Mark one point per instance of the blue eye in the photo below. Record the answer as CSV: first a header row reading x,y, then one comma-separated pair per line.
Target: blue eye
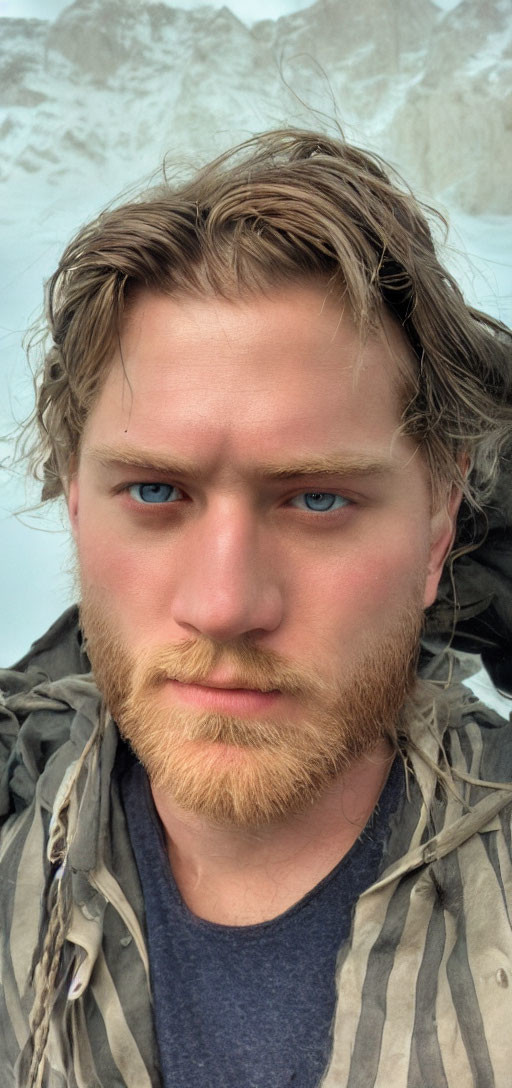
x,y
152,493
321,501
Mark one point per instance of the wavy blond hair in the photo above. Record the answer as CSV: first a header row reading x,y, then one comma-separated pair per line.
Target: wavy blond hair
x,y
285,206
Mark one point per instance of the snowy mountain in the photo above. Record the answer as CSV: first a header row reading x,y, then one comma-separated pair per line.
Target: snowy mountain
x,y
110,84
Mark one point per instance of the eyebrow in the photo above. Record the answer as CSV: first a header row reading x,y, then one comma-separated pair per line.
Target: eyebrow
x,y
358,465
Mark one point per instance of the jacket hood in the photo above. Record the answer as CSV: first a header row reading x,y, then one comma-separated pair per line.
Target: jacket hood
x,y
473,610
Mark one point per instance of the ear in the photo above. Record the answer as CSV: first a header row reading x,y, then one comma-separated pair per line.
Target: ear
x,y
443,527
72,496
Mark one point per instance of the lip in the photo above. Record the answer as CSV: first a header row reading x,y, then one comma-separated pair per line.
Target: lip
x,y
234,700
224,681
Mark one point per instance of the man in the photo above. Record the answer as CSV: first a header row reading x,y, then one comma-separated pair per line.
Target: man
x,y
266,841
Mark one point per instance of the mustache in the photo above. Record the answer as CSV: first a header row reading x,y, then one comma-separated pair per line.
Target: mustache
x,y
192,661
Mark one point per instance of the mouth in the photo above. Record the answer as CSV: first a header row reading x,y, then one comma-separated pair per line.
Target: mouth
x,y
224,696
225,683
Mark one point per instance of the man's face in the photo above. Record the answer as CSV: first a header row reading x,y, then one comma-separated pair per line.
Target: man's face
x,y
246,518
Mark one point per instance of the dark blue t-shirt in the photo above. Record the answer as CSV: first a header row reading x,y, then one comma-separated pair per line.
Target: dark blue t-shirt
x,y
247,1006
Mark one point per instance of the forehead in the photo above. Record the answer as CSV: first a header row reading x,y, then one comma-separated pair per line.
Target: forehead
x,y
262,374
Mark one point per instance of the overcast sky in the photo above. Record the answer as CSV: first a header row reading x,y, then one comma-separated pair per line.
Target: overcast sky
x,y
248,10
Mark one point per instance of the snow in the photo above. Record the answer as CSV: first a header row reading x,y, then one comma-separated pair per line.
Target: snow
x,y
89,108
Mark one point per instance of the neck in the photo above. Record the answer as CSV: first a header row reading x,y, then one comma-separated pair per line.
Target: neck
x,y
242,876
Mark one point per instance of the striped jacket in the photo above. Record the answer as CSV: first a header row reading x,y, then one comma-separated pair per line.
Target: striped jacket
x,y
424,980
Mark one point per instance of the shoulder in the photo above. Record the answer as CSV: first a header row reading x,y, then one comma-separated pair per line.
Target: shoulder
x,y
459,751
480,742
447,722
43,728
40,698
57,653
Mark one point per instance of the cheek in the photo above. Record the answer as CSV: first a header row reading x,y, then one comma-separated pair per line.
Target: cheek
x,y
125,575
371,582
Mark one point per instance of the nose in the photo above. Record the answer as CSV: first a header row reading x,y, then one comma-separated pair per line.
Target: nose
x,y
227,584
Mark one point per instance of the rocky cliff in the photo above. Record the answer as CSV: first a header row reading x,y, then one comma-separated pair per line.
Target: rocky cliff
x,y
109,88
